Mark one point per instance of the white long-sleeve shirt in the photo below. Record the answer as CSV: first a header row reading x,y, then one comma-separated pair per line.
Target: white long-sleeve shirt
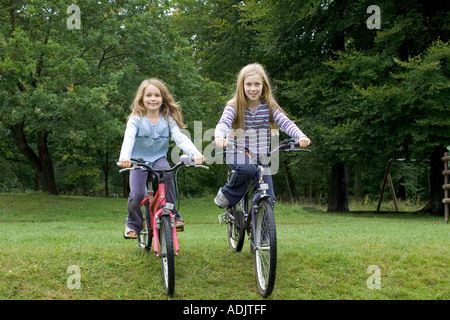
x,y
150,142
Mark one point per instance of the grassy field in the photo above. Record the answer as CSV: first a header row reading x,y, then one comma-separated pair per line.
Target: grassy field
x,y
322,256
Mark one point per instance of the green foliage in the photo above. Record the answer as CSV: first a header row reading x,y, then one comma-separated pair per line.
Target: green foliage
x,y
363,96
78,84
411,104
222,38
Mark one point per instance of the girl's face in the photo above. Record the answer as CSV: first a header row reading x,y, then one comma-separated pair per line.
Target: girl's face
x,y
152,98
253,86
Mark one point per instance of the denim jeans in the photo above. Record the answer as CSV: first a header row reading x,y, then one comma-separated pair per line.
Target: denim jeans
x,y
138,192
245,170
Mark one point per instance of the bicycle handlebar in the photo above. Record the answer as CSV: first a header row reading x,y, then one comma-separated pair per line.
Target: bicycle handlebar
x,y
288,145
140,164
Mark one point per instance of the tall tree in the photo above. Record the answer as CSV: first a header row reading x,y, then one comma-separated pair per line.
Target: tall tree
x,y
299,36
411,110
325,57
69,73
222,40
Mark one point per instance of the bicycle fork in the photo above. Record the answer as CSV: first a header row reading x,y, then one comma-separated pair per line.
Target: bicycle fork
x,y
255,208
157,222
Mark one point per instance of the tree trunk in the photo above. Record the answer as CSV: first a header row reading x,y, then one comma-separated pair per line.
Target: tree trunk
x,y
106,167
41,163
338,191
338,188
290,183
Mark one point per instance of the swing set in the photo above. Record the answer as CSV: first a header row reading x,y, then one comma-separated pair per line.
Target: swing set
x,y
446,186
388,180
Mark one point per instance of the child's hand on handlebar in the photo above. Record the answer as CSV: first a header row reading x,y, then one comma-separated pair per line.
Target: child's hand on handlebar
x,y
221,142
125,163
198,159
304,142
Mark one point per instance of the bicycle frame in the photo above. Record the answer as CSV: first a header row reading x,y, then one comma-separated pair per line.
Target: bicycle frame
x,y
259,194
286,145
158,207
157,204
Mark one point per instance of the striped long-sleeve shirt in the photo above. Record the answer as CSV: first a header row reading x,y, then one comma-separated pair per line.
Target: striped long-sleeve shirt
x,y
256,134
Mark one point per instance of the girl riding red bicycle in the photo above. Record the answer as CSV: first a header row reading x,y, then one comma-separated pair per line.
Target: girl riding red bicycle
x,y
155,117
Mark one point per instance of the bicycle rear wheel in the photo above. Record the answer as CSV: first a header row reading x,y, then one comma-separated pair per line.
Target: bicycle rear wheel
x,y
145,236
265,246
235,229
167,255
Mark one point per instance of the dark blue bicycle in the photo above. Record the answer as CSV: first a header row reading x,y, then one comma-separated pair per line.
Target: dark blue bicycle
x,y
254,214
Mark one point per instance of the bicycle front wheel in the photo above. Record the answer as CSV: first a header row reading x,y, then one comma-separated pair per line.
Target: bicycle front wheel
x,y
265,246
166,252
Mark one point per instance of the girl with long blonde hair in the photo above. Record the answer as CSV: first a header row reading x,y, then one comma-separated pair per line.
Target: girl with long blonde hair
x,y
154,118
247,121
241,100
169,107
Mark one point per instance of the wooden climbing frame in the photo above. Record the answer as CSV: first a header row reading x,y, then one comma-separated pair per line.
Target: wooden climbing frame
x,y
446,186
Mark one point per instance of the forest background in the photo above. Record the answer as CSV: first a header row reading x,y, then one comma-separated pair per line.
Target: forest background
x,y
366,81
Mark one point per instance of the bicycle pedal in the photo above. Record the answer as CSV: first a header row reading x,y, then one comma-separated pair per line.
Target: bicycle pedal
x,y
230,217
179,229
221,218
226,217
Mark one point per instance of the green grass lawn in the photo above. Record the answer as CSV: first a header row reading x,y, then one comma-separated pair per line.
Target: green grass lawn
x,y
321,255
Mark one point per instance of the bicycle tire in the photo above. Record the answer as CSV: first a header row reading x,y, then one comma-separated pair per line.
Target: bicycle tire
x,y
167,255
265,247
235,230
145,236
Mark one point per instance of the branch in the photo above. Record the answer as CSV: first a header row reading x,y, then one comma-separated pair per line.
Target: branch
x,y
65,89
21,86
21,142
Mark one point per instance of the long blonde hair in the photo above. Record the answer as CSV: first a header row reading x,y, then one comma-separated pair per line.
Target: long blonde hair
x,y
168,108
240,100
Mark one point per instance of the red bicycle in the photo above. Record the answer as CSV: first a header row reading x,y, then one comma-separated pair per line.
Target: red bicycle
x,y
158,220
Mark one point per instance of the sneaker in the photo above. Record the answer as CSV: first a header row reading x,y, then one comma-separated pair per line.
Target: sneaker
x,y
220,200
